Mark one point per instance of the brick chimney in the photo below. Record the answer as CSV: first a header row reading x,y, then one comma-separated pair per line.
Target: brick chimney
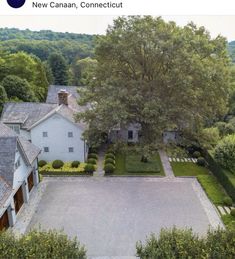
x,y
63,97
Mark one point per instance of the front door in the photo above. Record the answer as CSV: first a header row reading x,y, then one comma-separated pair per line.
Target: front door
x,y
4,221
30,181
18,199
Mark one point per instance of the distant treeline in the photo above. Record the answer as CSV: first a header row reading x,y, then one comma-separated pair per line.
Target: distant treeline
x,y
43,43
231,49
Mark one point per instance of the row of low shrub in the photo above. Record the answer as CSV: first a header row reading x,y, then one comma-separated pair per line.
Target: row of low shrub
x,y
74,168
57,164
40,244
222,175
177,243
109,162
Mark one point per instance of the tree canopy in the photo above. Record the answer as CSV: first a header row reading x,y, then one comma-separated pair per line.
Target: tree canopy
x,y
158,75
59,68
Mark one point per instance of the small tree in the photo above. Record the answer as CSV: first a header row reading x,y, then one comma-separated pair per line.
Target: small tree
x,y
224,152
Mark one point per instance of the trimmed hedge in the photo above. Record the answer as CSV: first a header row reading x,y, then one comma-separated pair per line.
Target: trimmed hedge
x,y
93,155
56,164
110,155
91,161
41,163
220,174
75,164
109,168
40,244
109,161
89,168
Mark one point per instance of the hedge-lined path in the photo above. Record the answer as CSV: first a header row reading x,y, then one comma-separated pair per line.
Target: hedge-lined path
x,y
166,164
100,164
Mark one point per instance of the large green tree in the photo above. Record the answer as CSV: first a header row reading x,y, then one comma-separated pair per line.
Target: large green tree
x,y
18,88
59,68
157,74
26,67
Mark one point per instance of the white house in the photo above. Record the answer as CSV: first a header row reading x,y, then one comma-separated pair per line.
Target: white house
x,y
51,126
18,174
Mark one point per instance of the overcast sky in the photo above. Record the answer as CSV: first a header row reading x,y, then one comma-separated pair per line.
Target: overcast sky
x,y
224,25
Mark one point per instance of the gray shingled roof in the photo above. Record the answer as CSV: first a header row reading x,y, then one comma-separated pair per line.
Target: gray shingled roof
x,y
8,147
5,191
30,150
68,113
25,113
52,95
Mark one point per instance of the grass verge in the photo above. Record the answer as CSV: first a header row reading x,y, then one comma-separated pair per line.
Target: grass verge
x,y
188,169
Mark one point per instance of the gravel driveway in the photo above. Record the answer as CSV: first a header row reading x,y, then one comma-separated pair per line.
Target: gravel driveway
x,y
109,215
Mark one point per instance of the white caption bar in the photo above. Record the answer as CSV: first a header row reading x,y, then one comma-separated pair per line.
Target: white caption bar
x,y
121,7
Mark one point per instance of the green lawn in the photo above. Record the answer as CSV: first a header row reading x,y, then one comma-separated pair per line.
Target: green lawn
x,y
130,164
213,189
188,169
229,221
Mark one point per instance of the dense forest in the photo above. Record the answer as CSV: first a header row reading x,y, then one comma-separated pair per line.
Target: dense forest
x,y
31,60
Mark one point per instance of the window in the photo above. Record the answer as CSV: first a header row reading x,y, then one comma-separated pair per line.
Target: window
x,y
17,164
46,149
70,149
70,134
130,134
44,134
16,128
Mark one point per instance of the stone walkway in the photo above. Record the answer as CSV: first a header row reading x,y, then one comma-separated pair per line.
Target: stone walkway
x,y
166,164
100,164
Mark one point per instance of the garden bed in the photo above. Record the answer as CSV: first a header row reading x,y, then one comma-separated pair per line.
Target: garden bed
x,y
66,170
130,164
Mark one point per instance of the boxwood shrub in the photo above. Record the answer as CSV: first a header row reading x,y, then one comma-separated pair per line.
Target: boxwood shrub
x,y
56,164
75,164
201,161
196,154
93,155
89,168
109,168
93,150
109,155
41,163
91,161
109,161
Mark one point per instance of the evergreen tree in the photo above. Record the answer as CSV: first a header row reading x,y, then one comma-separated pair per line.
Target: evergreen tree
x,y
59,69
